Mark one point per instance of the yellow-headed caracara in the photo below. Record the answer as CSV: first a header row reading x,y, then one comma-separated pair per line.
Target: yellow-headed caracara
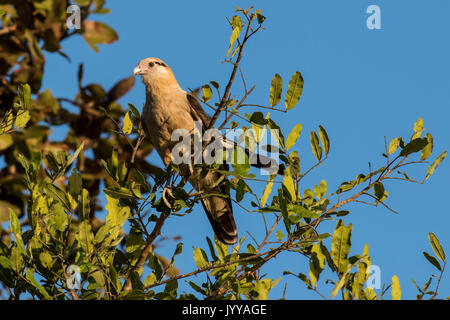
x,y
167,108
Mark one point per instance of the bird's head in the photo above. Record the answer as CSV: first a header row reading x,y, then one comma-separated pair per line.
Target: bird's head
x,y
155,71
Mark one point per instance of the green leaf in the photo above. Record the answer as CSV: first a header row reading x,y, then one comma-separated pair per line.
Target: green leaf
x,y
435,164
317,263
127,123
75,184
339,285
325,140
15,224
259,17
236,23
258,118
206,93
178,250
115,280
276,133
293,136
370,294
414,146
432,260
214,84
317,150
120,192
396,290
394,144
308,197
426,152
135,111
197,288
59,219
145,186
240,190
46,259
85,236
200,258
280,235
341,243
16,230
295,89
437,248
24,162
300,212
24,93
241,163
116,217
7,124
211,249
266,193
418,128
288,182
22,118
58,195
322,189
83,205
378,190
151,279
221,249
276,88
302,277
75,155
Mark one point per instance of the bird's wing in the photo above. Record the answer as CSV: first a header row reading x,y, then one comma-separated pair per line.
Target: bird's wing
x,y
197,111
223,224
263,162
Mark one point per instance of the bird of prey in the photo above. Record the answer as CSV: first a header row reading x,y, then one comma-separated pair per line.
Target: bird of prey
x,y
168,108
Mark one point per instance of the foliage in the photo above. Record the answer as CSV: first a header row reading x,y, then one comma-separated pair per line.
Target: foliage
x,y
49,190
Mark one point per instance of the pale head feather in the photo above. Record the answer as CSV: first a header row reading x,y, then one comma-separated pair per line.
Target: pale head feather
x,y
155,74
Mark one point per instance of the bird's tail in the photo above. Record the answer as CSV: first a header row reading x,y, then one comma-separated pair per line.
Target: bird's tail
x,y
220,215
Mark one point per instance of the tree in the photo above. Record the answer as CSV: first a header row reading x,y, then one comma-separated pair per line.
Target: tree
x,y
56,247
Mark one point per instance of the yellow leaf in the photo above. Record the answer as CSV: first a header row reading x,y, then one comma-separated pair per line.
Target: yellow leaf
x,y
22,119
127,124
267,191
396,290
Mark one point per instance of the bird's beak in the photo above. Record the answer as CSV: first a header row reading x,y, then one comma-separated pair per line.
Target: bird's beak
x,y
136,71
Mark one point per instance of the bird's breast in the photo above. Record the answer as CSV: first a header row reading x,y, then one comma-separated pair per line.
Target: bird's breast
x,y
164,115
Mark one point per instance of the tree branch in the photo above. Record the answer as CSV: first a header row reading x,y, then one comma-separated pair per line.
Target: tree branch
x,y
147,249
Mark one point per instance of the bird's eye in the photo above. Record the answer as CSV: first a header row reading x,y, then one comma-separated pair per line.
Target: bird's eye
x,y
151,64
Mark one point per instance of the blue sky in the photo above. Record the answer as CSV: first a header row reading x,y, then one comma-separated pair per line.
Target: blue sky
x,y
360,84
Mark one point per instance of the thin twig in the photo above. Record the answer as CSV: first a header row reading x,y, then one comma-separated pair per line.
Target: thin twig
x,y
439,282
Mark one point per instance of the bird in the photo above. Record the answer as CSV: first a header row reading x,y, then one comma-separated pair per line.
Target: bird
x,y
167,108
